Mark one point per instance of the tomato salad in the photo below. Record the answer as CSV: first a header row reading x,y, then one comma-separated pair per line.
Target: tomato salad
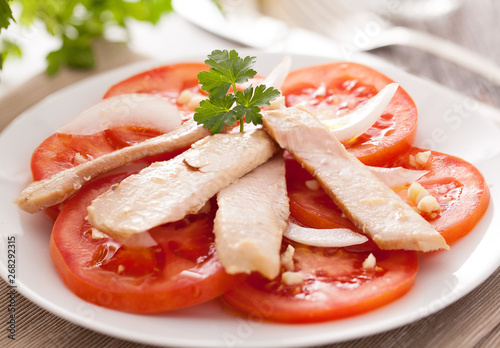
x,y
181,268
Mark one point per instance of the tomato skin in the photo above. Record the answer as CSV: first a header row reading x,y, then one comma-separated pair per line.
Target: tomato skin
x,y
166,80
335,285
183,271
348,84
459,188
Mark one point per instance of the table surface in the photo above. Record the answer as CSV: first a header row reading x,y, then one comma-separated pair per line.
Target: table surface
x,y
473,321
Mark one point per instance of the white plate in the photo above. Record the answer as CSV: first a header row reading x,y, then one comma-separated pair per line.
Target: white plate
x,y
448,122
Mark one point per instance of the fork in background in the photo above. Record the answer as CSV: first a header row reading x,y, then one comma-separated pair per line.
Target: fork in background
x,y
358,30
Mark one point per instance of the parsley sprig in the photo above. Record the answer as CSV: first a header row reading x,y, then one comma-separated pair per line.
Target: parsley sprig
x,y
226,70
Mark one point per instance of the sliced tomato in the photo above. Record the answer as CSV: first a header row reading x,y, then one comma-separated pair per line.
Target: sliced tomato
x,y
168,80
459,188
335,285
62,151
341,87
181,270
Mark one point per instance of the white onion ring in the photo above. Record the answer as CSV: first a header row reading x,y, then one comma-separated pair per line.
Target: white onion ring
x,y
278,75
139,110
336,237
362,118
397,176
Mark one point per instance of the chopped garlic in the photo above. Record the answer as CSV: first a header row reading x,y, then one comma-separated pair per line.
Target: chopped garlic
x,y
185,96
416,192
422,157
190,100
78,158
429,204
287,258
195,101
96,234
424,201
121,268
370,262
312,185
291,278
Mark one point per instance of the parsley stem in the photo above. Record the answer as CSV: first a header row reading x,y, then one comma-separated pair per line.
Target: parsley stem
x,y
241,121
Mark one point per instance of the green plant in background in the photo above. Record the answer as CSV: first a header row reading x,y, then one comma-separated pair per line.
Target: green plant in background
x,y
6,46
77,24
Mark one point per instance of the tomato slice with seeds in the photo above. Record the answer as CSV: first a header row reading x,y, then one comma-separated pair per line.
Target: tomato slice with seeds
x,y
459,188
334,284
168,81
63,151
338,88
181,270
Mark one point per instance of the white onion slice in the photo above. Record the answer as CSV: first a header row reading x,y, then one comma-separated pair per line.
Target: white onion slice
x,y
278,75
397,176
139,110
336,237
362,118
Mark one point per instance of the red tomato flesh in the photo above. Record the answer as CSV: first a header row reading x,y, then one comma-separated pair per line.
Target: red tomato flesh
x,y
341,87
63,151
181,270
168,81
335,285
459,188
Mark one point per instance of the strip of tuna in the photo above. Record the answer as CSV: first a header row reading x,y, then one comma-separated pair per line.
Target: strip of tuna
x,y
251,218
56,189
167,191
371,205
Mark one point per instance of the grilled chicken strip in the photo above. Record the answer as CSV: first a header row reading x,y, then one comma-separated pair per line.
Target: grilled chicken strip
x,y
251,218
167,191
56,189
371,205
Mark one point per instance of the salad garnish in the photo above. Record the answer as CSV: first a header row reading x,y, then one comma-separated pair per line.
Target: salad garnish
x,y
221,108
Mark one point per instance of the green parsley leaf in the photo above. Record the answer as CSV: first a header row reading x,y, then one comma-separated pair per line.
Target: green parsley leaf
x,y
260,96
216,113
250,101
228,69
229,64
